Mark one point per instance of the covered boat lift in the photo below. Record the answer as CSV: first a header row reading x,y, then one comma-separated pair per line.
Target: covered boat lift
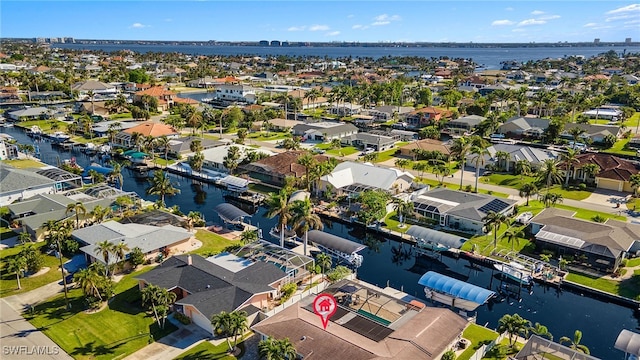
x,y
230,214
336,246
453,292
629,342
429,240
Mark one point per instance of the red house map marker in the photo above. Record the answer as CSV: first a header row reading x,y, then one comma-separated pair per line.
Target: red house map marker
x,y
325,305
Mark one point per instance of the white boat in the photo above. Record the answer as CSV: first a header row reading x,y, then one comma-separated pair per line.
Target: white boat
x,y
514,271
59,136
34,131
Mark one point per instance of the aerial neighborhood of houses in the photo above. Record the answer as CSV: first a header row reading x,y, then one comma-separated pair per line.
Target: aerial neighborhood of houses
x,y
531,170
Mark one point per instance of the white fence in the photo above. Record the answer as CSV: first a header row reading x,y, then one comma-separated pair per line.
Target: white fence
x,y
484,349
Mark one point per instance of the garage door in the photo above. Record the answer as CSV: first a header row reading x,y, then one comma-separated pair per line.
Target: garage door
x,y
609,184
201,321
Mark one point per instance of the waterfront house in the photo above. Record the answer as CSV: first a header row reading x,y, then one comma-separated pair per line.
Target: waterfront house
x,y
324,131
534,156
98,88
18,184
368,324
463,125
149,128
30,113
459,210
369,140
409,150
386,112
182,145
600,246
596,133
354,177
214,157
425,116
8,151
614,173
526,126
235,92
206,287
275,169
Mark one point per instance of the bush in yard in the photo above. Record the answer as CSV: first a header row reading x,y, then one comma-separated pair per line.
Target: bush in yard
x,y
287,290
338,273
599,219
184,319
136,257
582,186
449,355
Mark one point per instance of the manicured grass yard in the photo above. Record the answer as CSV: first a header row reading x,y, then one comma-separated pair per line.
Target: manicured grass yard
x,y
516,182
207,351
478,336
267,136
212,243
45,125
452,186
6,233
621,147
392,223
24,163
629,288
588,214
114,332
8,283
343,151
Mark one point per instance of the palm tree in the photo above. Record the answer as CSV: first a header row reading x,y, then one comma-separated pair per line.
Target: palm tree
x,y
576,132
513,325
278,205
590,170
550,199
78,208
91,95
304,219
17,265
570,158
161,186
503,158
193,217
163,142
402,163
549,173
523,167
116,173
230,161
324,261
273,349
120,250
151,296
513,236
403,210
99,213
88,279
249,236
105,248
495,219
634,181
222,324
479,153
540,330
307,161
238,325
528,190
460,148
575,342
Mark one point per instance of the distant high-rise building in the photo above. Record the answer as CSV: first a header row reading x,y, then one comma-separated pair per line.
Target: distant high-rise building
x,y
627,41
264,43
275,43
596,41
41,40
285,43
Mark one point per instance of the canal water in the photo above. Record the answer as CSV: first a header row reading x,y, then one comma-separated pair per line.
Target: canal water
x,y
387,262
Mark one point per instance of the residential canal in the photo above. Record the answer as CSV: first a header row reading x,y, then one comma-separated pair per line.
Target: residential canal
x,y
393,263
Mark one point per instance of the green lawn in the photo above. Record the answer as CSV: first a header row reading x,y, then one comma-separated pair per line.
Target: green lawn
x,y
267,136
207,351
589,214
632,122
95,140
386,155
23,163
629,288
162,162
6,233
126,115
45,125
478,336
516,182
114,332
485,243
633,203
212,243
452,186
392,223
8,283
343,151
261,188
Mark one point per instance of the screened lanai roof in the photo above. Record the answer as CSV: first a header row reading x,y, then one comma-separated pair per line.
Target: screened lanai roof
x,y
454,287
629,342
57,174
265,251
560,239
230,213
433,236
334,242
358,188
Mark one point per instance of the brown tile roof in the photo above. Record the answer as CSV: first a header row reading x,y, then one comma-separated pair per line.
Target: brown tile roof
x,y
185,101
611,167
285,164
151,128
155,91
429,145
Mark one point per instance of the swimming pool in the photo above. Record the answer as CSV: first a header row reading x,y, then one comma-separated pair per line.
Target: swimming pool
x,y
373,317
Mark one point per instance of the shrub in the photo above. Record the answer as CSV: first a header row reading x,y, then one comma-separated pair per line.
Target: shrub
x,y
287,291
599,219
184,319
338,273
136,257
468,188
582,186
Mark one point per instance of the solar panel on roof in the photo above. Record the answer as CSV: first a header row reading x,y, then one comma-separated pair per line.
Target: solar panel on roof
x,y
495,205
368,328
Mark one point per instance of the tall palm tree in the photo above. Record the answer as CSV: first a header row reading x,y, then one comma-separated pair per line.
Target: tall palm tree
x,y
91,95
238,325
278,205
549,173
116,173
575,342
151,296
163,143
230,161
304,220
161,186
120,250
105,248
503,157
249,236
88,279
513,236
17,265
528,190
479,153
222,324
513,325
460,148
307,161
324,261
77,208
403,210
99,213
590,170
570,159
523,167
495,219
576,133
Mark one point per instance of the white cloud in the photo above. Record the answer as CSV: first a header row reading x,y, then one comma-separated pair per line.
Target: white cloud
x,y
318,28
138,26
380,23
632,22
296,28
168,20
360,27
621,17
333,33
385,17
502,22
537,12
590,25
529,22
624,9
549,17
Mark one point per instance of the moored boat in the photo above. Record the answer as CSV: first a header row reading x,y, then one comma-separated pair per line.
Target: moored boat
x,y
514,271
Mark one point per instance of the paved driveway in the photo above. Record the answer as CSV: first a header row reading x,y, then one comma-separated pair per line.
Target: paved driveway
x,y
171,345
21,340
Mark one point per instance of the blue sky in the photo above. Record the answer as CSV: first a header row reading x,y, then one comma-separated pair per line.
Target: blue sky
x,y
301,20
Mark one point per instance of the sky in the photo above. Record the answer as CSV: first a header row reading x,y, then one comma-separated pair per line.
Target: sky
x,y
325,21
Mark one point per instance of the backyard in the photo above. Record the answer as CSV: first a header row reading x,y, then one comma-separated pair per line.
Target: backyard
x,y
516,182
114,332
212,243
23,163
478,336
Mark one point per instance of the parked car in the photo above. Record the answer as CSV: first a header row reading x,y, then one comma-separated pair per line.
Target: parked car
x,y
368,150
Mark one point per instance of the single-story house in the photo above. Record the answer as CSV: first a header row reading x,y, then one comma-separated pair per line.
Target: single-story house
x,y
275,169
520,126
98,88
600,245
354,177
344,109
463,125
101,129
425,145
403,135
182,145
324,131
401,330
214,157
614,173
365,140
459,210
534,156
603,113
595,132
386,112
206,287
31,113
279,124
149,128
18,184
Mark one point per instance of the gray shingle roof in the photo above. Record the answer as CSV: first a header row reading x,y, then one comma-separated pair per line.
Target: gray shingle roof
x,y
40,204
470,206
330,131
20,179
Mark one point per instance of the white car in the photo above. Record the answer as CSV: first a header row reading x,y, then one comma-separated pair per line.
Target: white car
x,y
368,150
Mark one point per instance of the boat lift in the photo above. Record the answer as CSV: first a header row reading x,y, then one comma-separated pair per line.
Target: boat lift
x,y
340,248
